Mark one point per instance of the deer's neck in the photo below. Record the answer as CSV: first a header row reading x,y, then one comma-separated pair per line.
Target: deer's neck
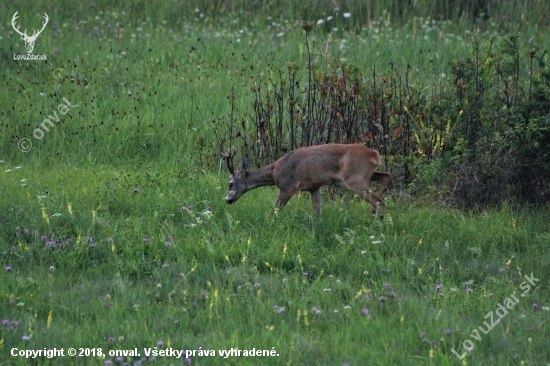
x,y
260,177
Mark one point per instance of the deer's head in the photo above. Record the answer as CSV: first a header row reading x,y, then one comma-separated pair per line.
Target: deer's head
x,y
237,180
29,40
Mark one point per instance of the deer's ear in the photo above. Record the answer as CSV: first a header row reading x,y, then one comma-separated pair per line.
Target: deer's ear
x,y
243,167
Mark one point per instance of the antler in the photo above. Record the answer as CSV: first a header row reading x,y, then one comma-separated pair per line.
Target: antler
x,y
43,25
229,160
13,19
24,34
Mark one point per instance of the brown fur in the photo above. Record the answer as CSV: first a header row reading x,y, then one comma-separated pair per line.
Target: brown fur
x,y
309,168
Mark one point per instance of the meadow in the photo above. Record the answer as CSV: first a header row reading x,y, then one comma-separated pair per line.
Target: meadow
x,y
114,234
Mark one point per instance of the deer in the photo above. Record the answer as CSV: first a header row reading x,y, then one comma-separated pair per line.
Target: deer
x,y
29,40
308,169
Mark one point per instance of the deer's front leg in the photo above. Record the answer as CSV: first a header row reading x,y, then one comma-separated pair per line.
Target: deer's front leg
x,y
316,200
284,197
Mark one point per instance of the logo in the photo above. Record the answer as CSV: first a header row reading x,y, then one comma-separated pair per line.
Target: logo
x,y
29,40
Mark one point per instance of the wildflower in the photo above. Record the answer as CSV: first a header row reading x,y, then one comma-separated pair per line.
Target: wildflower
x,y
391,294
111,339
9,269
469,290
449,331
136,190
108,362
26,338
306,274
387,285
164,266
145,240
160,343
535,305
490,294
6,322
381,299
188,360
119,359
315,310
466,283
438,286
365,311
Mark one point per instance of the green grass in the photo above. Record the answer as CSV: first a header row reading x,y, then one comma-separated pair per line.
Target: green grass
x,y
152,253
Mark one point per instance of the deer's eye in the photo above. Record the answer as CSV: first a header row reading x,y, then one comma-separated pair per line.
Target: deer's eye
x,y
230,185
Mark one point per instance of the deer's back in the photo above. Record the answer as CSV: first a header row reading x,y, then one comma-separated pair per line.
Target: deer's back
x,y
313,166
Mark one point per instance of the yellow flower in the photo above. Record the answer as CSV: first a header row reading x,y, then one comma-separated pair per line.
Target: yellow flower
x,y
419,270
50,319
45,215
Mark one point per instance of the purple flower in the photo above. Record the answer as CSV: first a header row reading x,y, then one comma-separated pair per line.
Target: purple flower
x,y
27,231
447,270
490,294
136,190
449,331
470,349
391,294
26,338
145,240
188,360
438,286
381,299
315,310
108,362
111,339
306,274
365,311
160,343
164,266
387,285
465,283
9,269
501,271
535,305
6,322
469,290
119,359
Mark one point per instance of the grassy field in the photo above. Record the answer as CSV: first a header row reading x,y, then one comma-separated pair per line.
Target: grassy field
x,y
114,236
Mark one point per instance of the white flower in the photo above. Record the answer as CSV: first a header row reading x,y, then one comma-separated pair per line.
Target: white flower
x,y
346,15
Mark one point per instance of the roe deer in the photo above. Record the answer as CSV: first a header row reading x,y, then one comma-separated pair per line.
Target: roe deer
x,y
308,169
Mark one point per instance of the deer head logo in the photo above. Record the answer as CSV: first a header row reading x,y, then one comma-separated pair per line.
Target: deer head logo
x,y
29,40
